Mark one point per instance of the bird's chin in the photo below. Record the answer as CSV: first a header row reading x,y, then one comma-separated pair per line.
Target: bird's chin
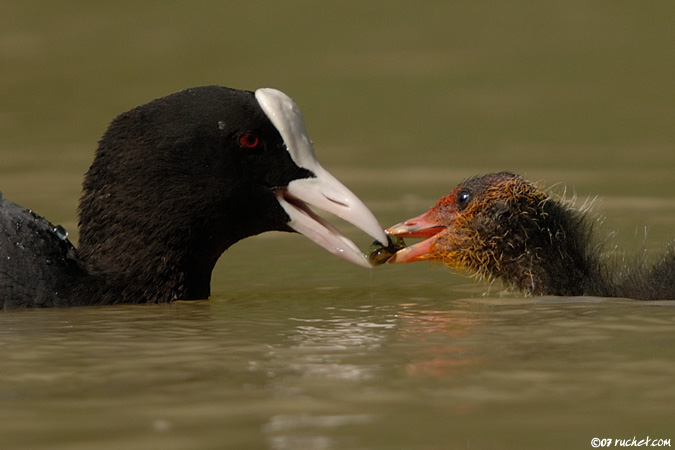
x,y
422,251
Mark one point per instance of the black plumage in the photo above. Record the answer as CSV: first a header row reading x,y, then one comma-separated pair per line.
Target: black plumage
x,y
174,183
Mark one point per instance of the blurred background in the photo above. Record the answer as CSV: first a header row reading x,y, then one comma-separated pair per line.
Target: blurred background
x,y
402,100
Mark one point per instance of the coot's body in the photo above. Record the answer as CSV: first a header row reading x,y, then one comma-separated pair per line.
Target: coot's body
x,y
26,238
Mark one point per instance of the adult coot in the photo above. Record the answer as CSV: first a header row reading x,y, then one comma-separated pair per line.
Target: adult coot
x,y
500,226
175,183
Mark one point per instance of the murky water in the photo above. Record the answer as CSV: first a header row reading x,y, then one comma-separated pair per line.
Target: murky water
x,y
325,370
297,349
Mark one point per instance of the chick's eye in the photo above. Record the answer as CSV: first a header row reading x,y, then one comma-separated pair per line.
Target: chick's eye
x,y
463,198
249,140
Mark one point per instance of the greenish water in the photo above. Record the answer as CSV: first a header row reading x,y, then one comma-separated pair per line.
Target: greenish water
x,y
300,350
338,368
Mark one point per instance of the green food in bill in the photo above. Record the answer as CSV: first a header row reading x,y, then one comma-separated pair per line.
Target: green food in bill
x,y
378,253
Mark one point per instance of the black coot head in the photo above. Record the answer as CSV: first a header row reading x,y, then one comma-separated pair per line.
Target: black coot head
x,y
206,167
174,183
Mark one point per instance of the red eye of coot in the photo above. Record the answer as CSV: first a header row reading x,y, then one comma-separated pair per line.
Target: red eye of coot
x,y
248,140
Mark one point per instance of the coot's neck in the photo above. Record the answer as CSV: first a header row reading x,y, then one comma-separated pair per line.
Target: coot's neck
x,y
146,263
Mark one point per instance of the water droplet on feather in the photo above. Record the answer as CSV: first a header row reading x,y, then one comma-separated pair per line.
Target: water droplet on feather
x,y
60,232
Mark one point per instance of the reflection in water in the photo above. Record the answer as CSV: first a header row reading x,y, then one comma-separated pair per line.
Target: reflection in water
x,y
317,358
447,358
294,375
302,431
324,356
320,347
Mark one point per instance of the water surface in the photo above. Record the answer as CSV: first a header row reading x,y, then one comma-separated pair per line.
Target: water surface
x,y
326,370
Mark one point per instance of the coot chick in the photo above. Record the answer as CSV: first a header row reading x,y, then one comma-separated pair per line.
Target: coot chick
x,y
174,183
502,227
